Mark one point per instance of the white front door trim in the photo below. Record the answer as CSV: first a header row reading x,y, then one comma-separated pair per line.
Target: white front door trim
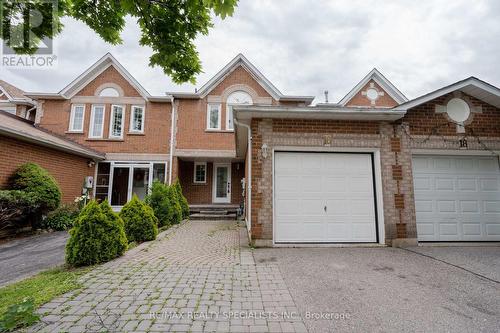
x,y
377,170
227,199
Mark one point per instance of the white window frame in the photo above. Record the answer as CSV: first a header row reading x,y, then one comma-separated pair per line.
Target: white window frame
x,y
111,120
219,110
194,173
229,107
92,114
72,119
131,125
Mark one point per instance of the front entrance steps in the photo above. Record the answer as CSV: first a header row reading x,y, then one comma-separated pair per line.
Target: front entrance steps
x,y
213,212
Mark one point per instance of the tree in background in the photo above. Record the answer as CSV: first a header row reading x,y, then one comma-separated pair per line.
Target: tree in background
x,y
169,27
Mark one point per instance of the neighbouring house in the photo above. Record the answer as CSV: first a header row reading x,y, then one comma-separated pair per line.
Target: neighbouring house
x,y
373,168
68,162
13,100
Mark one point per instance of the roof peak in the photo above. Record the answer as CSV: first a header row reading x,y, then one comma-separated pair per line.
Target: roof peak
x,y
382,81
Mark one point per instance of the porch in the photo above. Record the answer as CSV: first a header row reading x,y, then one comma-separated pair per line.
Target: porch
x,y
209,183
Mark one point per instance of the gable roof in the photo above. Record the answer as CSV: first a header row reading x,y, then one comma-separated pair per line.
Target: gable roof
x,y
241,60
382,81
97,68
472,86
94,71
24,130
14,94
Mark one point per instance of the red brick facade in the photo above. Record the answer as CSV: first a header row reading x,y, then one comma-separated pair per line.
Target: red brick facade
x,y
69,170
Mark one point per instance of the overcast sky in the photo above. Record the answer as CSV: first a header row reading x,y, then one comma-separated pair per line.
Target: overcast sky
x,y
305,47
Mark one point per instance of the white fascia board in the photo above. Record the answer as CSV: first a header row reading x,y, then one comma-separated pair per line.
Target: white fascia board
x,y
472,81
9,97
382,81
240,59
311,113
95,70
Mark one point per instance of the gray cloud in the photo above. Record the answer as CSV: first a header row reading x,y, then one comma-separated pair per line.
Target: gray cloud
x,y
305,47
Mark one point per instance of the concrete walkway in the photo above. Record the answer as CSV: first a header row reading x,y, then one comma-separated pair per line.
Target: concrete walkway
x,y
23,257
194,278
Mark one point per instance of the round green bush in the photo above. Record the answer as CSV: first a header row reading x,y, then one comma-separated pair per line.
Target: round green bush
x,y
62,218
182,199
140,221
98,236
161,203
33,179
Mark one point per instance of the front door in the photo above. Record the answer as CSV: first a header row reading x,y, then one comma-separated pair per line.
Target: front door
x,y
222,183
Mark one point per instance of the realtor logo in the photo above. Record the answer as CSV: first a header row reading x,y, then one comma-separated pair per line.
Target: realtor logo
x,y
24,30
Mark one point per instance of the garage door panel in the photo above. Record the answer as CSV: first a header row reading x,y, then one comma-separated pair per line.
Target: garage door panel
x,y
469,207
462,203
341,182
467,184
286,184
489,184
288,207
310,183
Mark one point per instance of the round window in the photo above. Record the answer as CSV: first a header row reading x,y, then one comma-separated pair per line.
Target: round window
x,y
458,110
372,94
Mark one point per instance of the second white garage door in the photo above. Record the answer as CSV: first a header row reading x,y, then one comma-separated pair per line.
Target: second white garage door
x,y
457,198
323,197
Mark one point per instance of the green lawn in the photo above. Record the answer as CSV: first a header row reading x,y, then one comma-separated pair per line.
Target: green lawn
x,y
42,287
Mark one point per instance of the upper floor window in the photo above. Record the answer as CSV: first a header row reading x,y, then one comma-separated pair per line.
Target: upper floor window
x,y
97,121
76,118
137,119
236,98
213,116
109,92
116,123
200,172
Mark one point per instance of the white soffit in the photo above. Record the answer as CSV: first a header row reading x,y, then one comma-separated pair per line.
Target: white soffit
x,y
382,81
240,60
95,70
471,86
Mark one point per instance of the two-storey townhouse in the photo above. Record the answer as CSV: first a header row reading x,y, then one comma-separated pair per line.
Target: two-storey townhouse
x,y
107,110
205,159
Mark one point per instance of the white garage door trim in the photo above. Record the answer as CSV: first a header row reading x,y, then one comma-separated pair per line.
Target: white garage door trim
x,y
377,173
460,236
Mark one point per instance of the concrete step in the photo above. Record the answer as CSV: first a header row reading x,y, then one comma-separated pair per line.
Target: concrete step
x,y
230,208
214,212
211,217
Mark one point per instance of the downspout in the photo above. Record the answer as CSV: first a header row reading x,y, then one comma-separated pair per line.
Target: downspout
x,y
249,180
172,136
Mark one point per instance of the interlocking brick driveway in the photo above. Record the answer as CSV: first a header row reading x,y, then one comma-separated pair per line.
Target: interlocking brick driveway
x,y
195,278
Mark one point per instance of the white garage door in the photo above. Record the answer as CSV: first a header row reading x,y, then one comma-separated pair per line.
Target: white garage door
x,y
457,198
324,197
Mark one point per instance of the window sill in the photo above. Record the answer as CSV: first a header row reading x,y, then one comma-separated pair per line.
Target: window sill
x,y
136,133
104,139
74,132
218,131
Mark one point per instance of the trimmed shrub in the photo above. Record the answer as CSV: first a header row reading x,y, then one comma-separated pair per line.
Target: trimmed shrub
x,y
14,205
174,199
161,202
140,221
98,236
33,179
63,218
182,199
